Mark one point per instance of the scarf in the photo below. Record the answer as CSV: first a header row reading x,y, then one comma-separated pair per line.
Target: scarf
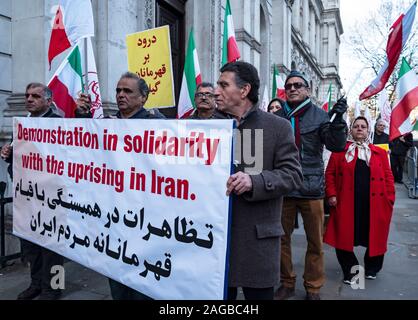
x,y
363,149
293,115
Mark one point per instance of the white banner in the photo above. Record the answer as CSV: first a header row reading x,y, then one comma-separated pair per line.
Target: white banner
x,y
140,201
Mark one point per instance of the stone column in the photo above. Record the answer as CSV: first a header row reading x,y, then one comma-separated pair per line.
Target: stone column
x,y
305,21
312,32
281,24
331,44
296,15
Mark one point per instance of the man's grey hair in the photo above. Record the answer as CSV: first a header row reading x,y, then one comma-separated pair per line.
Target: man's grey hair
x,y
142,85
47,91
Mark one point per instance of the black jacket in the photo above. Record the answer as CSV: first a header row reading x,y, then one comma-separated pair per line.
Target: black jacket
x,y
400,148
316,130
380,138
143,114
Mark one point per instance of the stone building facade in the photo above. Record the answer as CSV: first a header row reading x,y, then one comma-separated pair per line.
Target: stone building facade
x,y
301,34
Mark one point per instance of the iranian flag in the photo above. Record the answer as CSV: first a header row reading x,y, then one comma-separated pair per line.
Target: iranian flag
x,y
404,114
191,79
230,50
278,86
399,33
326,105
73,21
68,81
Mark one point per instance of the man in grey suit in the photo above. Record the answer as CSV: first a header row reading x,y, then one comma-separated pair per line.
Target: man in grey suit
x,y
256,188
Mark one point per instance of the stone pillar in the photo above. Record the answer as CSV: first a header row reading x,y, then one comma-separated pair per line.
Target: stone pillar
x,y
207,34
312,32
296,16
281,23
331,44
318,40
305,21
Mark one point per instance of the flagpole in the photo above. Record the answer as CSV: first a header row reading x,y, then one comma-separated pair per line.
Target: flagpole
x,y
86,69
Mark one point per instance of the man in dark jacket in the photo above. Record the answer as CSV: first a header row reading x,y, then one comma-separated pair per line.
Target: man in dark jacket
x,y
38,101
380,137
256,187
131,95
312,129
205,101
398,149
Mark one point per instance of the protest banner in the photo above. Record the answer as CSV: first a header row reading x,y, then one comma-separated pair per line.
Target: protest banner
x,y
149,56
142,202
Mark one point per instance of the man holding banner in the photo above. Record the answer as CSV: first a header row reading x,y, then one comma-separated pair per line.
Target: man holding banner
x,y
131,95
38,101
256,188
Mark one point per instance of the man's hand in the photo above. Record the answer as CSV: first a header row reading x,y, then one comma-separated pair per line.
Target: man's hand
x,y
332,201
6,151
83,103
339,108
239,183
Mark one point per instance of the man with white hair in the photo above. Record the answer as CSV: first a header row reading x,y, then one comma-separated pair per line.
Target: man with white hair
x,y
380,137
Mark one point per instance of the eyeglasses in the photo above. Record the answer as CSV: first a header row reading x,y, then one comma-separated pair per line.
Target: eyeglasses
x,y
296,85
207,95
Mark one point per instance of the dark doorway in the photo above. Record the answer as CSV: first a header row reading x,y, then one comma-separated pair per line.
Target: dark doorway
x,y
171,12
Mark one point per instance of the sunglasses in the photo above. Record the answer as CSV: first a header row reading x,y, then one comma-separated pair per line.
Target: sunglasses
x,y
296,85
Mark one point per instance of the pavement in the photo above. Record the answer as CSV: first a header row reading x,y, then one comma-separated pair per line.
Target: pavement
x,y
398,279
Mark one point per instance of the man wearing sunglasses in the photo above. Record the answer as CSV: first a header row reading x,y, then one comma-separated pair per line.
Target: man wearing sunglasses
x,y
312,129
204,99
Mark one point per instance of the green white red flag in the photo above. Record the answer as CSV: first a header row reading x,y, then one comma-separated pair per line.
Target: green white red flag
x,y
73,21
326,105
68,81
230,51
278,86
191,79
405,111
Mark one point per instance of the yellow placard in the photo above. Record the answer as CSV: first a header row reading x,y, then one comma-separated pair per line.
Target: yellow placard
x,y
149,56
384,146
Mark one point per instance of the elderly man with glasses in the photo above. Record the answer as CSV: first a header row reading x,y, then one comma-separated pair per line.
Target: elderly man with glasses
x,y
204,99
312,129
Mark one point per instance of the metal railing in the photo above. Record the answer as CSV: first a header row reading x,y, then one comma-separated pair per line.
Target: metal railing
x,y
3,201
412,172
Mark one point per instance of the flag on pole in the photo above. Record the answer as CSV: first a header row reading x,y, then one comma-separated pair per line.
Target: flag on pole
x,y
371,122
405,112
385,109
67,82
357,112
265,102
191,79
327,104
230,50
73,21
398,36
278,86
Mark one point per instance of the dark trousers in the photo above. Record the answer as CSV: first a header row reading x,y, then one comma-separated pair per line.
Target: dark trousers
x,y
121,292
41,261
396,164
348,259
252,293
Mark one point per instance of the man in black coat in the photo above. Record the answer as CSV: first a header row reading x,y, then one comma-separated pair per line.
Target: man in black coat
x,y
398,149
38,101
312,129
